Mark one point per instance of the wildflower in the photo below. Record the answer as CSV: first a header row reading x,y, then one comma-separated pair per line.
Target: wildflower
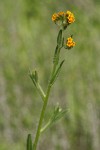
x,y
58,16
54,17
70,17
68,13
70,43
61,14
63,19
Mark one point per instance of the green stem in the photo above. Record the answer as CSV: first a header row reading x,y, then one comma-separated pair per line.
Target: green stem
x,y
41,119
45,98
43,112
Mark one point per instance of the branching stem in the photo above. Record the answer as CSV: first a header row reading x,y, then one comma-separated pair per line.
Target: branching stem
x,y
46,97
43,111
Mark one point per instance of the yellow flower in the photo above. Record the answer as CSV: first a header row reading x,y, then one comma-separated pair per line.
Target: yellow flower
x,y
70,43
70,18
69,39
74,43
68,13
61,14
65,18
54,17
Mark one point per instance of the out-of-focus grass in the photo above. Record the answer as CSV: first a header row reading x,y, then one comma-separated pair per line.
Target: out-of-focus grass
x,y
27,41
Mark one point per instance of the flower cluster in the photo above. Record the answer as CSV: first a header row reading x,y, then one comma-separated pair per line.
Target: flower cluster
x,y
70,17
58,16
65,18
70,43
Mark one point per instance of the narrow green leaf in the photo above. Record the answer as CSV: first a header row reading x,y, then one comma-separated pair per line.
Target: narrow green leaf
x,y
36,76
57,114
56,73
56,56
60,115
32,78
61,64
59,38
56,50
29,142
62,41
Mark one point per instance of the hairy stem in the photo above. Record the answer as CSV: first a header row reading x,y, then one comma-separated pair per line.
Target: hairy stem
x,y
45,98
41,119
43,112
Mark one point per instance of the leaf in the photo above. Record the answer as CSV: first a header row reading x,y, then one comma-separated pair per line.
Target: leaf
x,y
57,114
56,55
62,41
36,76
56,73
32,76
56,50
60,115
29,142
59,38
60,44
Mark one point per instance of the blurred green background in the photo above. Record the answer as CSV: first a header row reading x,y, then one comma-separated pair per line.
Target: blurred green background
x,y
27,41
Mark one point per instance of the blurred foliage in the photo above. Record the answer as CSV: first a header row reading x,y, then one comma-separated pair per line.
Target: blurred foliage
x,y
27,41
